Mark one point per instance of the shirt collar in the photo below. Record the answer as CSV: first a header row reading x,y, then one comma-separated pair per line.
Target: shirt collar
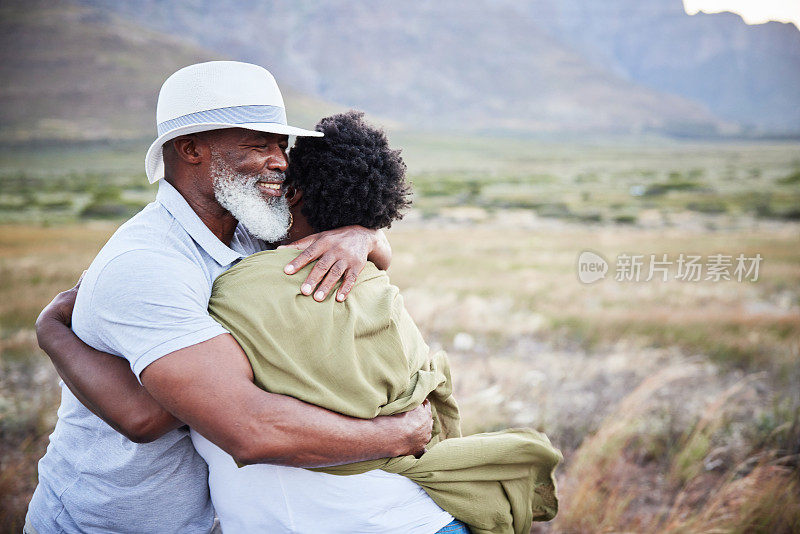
x,y
176,205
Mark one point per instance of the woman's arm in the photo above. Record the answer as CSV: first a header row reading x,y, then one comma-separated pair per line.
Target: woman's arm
x,y
104,383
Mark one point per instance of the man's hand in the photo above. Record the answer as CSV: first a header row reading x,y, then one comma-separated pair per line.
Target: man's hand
x,y
102,382
59,309
417,427
340,254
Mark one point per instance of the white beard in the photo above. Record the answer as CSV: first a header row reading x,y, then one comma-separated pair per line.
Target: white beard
x,y
266,218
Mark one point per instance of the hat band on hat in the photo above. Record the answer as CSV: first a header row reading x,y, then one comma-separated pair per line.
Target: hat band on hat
x,y
231,115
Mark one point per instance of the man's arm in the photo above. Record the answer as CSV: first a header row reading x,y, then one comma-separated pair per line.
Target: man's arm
x,y
209,386
340,254
103,382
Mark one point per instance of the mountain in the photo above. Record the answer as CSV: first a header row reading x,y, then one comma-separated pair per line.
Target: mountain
x,y
73,72
91,69
747,74
479,65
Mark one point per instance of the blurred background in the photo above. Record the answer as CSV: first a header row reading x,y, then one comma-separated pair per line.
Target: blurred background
x,y
533,131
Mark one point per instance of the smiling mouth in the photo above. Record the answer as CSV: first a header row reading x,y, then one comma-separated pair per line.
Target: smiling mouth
x,y
271,189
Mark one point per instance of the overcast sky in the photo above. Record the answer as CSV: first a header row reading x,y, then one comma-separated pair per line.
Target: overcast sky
x,y
752,11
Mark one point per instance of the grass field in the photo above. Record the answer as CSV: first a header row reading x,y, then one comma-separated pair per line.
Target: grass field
x,y
675,403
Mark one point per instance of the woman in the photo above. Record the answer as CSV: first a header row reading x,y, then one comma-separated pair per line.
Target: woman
x,y
365,357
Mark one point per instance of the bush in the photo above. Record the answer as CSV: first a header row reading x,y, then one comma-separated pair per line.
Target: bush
x,y
625,219
556,210
109,210
61,204
790,179
662,188
591,217
708,206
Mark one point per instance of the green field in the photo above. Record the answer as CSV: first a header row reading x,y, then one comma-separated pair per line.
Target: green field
x,y
675,403
658,182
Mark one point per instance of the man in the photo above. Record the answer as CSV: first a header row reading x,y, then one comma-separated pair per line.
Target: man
x,y
220,156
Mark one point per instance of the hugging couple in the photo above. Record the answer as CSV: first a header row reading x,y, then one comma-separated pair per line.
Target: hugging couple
x,y
201,377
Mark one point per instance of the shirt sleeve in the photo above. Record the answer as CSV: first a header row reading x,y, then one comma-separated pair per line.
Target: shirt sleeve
x,y
148,303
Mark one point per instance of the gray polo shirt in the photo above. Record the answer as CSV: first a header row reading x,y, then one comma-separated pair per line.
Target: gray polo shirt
x,y
144,296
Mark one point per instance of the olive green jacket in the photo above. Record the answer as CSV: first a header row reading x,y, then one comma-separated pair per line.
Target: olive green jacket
x,y
365,357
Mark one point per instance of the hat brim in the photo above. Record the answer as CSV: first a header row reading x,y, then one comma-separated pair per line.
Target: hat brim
x,y
154,160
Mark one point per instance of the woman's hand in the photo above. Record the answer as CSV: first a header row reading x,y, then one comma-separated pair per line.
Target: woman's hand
x,y
341,255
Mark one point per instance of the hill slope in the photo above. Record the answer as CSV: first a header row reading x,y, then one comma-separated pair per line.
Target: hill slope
x,y
77,73
92,71
747,74
480,65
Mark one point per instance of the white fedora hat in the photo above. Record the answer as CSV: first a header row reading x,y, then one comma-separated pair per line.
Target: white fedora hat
x,y
216,95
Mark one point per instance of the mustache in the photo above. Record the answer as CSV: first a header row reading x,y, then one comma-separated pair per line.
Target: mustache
x,y
272,176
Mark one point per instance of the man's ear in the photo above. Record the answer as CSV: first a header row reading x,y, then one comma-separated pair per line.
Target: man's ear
x,y
293,196
189,148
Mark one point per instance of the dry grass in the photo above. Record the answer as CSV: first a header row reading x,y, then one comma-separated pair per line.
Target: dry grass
x,y
28,397
673,402
655,391
502,278
766,500
640,473
35,264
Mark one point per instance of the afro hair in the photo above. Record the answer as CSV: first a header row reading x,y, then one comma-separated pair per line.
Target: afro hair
x,y
349,176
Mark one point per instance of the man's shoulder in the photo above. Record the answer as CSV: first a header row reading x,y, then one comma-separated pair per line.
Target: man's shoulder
x,y
150,228
148,249
153,232
139,273
146,293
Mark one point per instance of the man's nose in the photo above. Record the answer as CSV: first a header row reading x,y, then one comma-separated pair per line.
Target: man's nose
x,y
277,159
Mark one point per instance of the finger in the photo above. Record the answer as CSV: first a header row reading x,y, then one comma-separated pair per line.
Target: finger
x,y
320,269
427,406
74,289
347,285
335,274
422,407
78,283
309,254
301,244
